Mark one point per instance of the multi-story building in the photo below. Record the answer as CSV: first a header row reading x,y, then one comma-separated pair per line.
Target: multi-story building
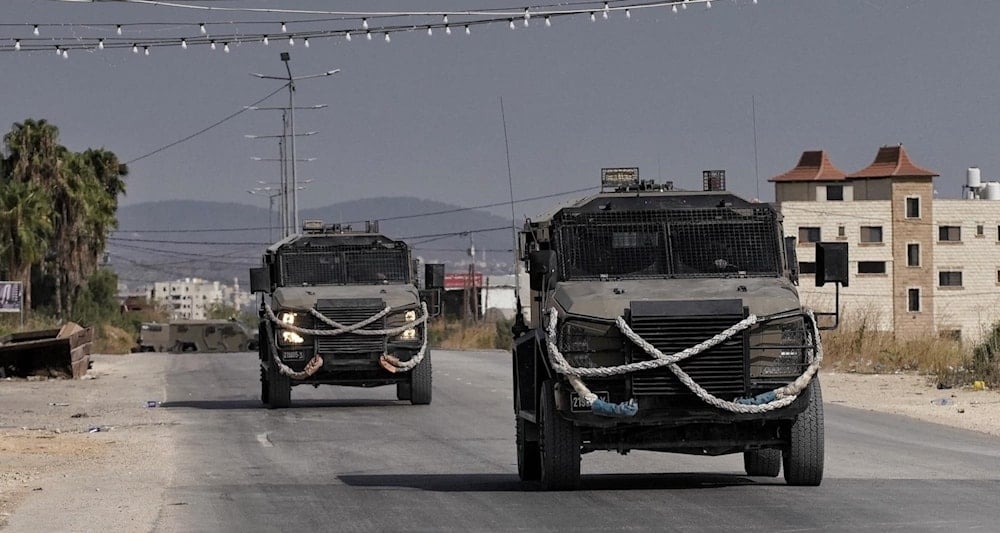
x,y
919,264
191,298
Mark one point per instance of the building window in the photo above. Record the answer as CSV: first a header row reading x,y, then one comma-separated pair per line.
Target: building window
x,y
808,234
950,278
980,230
950,233
871,233
810,268
913,254
913,300
835,193
841,231
871,267
913,207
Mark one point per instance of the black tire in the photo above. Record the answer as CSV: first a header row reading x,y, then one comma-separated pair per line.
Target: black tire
x,y
421,382
529,459
279,390
264,386
559,445
764,463
403,390
803,458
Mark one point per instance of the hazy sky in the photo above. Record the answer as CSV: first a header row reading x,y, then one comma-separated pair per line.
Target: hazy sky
x,y
420,116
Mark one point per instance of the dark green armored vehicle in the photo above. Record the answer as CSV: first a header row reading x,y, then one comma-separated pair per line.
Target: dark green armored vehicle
x,y
341,307
669,321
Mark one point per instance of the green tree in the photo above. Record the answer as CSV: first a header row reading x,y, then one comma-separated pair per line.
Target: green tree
x,y
25,227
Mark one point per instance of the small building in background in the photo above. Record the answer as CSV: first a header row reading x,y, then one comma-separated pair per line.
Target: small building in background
x,y
191,298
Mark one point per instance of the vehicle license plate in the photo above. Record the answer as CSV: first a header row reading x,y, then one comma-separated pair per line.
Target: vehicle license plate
x,y
577,403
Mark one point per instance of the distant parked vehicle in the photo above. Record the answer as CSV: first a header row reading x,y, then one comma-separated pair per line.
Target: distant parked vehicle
x,y
196,336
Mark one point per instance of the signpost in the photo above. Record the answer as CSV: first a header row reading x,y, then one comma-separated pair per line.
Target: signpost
x,y
12,298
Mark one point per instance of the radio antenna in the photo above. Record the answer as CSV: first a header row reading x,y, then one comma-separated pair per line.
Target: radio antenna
x,y
513,217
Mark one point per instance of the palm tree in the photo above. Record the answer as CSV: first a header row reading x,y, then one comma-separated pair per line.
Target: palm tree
x,y
25,227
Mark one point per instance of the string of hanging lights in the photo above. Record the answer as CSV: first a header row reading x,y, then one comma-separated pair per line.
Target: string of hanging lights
x,y
346,25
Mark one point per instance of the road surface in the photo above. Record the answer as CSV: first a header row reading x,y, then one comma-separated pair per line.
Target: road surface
x,y
346,459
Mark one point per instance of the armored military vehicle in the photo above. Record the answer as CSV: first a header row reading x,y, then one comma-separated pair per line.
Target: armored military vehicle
x,y
210,335
669,321
341,307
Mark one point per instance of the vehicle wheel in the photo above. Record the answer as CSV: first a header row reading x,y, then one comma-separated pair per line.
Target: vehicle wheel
x,y
403,390
559,445
529,461
803,458
420,382
765,463
264,386
279,390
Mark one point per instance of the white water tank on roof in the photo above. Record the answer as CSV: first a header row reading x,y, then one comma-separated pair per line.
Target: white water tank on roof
x,y
973,178
992,191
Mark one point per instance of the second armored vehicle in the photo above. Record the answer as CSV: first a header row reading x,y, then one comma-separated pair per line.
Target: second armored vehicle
x,y
341,307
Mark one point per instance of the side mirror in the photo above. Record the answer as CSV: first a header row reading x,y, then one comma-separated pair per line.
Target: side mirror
x,y
431,297
260,280
793,259
831,263
544,269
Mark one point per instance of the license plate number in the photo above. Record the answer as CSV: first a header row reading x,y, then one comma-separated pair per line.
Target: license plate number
x,y
576,403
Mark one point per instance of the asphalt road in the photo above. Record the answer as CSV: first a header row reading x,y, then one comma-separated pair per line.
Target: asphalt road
x,y
346,459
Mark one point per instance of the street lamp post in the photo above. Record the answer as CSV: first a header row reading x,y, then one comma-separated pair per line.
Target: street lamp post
x,y
290,83
289,227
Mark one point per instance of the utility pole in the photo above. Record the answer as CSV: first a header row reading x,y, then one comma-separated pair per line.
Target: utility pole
x,y
286,187
290,83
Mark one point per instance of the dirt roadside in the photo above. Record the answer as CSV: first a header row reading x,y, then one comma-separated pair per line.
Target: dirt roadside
x,y
85,455
58,474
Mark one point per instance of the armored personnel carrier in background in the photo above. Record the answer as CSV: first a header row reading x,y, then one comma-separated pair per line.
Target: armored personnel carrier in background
x,y
341,307
206,336
669,321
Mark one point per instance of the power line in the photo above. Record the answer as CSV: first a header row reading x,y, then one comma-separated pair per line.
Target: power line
x,y
203,130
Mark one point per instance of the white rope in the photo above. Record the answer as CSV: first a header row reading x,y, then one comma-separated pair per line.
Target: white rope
x,y
783,396
388,361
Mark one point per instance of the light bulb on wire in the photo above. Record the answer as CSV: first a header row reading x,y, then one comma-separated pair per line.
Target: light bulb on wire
x,y
548,22
284,29
184,44
708,4
265,41
368,35
212,44
201,28
593,17
604,14
291,41
225,47
100,44
347,36
364,23
17,44
447,30
445,19
430,31
135,48
145,50
467,30
511,24
118,29
58,51
628,13
684,4
387,39
35,30
65,54
674,8
305,42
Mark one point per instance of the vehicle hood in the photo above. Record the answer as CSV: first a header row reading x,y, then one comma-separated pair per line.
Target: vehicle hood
x,y
306,297
609,299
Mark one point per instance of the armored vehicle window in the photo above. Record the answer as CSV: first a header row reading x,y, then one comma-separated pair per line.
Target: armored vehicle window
x,y
340,265
228,330
210,330
182,329
674,243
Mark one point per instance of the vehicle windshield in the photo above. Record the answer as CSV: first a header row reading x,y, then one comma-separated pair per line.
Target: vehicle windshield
x,y
717,242
344,265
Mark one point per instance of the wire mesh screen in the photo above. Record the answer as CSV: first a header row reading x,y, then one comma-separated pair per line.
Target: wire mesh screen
x,y
343,265
677,243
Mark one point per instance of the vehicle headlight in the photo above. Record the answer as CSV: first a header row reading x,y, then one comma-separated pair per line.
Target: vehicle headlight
x,y
410,316
408,335
290,337
779,349
287,317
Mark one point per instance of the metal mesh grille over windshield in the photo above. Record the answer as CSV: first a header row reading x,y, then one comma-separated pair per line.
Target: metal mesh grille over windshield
x,y
341,265
676,243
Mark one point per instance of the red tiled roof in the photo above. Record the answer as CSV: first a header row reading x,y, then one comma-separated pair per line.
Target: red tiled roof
x,y
813,166
892,161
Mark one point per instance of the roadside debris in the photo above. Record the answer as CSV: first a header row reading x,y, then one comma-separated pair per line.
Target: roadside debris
x,y
41,354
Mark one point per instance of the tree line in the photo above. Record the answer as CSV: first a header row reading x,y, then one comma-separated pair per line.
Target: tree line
x,y
57,208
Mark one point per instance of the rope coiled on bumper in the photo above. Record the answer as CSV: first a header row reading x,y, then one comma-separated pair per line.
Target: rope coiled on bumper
x,y
775,399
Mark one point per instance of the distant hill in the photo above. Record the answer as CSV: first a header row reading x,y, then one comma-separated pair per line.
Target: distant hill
x,y
159,241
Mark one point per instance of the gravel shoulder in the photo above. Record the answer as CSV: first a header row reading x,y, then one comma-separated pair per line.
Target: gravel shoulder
x,y
58,474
